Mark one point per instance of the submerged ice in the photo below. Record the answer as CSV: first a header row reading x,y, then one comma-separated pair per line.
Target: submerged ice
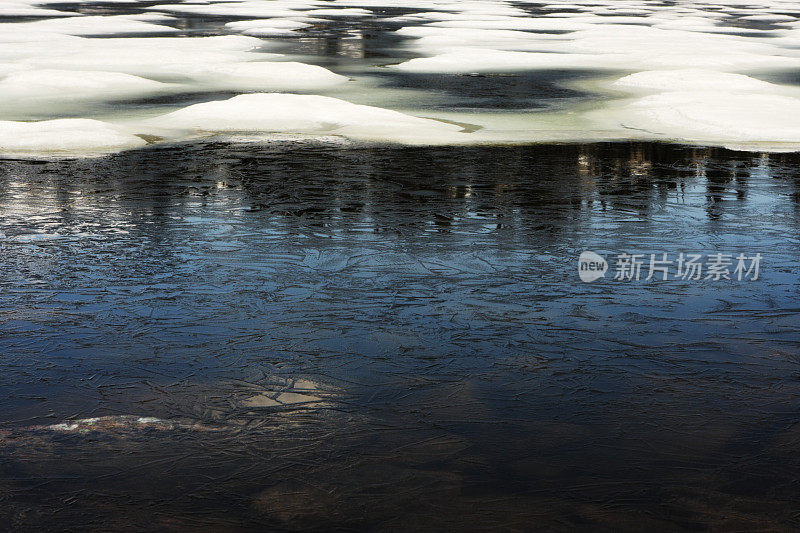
x,y
701,73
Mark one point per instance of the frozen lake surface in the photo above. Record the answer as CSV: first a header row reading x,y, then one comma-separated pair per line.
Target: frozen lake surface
x,y
396,338
129,73
308,265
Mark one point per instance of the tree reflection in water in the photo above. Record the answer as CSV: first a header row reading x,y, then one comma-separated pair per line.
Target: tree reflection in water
x,y
427,300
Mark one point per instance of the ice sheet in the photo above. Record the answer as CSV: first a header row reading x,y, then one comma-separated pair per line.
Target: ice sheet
x,y
90,25
289,113
693,80
717,116
267,75
638,69
71,84
67,135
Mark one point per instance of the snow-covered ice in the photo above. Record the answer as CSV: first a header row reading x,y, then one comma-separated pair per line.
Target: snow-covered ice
x,y
90,25
693,72
267,75
147,57
715,116
72,84
692,80
67,135
290,113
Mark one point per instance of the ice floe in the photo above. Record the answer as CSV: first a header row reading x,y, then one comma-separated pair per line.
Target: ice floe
x,y
686,71
245,25
148,57
340,12
692,80
290,113
268,28
717,117
64,135
467,60
73,84
706,107
267,75
90,25
249,9
15,9
611,47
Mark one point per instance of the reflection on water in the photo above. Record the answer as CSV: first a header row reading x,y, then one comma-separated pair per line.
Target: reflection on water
x,y
427,300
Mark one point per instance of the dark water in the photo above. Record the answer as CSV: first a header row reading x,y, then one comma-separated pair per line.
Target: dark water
x,y
469,380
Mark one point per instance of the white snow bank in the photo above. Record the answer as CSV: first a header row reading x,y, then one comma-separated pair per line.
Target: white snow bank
x,y
692,80
443,40
69,84
271,32
515,23
707,107
713,116
61,135
153,56
289,113
222,62
252,9
268,28
38,2
611,46
89,25
697,106
268,75
288,24
7,68
14,9
18,44
769,17
341,12
466,60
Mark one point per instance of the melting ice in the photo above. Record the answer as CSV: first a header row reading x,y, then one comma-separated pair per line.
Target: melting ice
x,y
74,77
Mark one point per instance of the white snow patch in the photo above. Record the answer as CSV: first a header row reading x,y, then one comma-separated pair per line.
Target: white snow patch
x,y
150,420
149,57
89,25
466,60
69,84
63,427
289,113
515,23
268,28
769,17
692,80
713,116
252,9
289,24
75,134
611,46
15,9
341,12
268,75
271,32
